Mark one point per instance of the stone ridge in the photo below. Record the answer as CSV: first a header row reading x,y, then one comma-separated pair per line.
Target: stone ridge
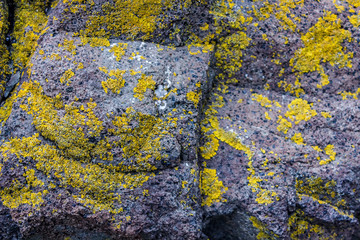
x,y
190,119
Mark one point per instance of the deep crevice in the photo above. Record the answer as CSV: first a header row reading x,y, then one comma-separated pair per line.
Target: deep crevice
x,y
11,19
234,225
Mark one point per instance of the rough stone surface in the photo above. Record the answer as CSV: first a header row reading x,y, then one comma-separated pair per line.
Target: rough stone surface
x,y
186,119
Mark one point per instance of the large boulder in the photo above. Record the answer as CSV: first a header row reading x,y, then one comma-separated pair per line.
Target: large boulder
x,y
99,140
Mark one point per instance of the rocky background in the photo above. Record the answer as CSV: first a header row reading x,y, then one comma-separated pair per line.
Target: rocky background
x,y
190,119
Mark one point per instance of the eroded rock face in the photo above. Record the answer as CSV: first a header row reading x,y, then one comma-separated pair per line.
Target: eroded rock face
x,y
281,129
181,120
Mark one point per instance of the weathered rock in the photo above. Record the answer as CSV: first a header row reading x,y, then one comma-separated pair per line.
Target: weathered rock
x,y
281,129
104,138
4,52
101,138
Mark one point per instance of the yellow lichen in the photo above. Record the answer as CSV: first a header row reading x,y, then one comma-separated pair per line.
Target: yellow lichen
x,y
116,82
323,44
28,15
300,110
297,138
65,78
329,150
284,125
326,115
346,94
264,232
211,187
229,53
194,97
119,50
144,83
264,101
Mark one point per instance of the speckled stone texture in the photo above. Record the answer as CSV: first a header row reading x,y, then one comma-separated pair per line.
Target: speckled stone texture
x,y
221,120
165,206
304,189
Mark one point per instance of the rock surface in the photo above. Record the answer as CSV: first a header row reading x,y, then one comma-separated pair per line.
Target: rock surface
x,y
186,119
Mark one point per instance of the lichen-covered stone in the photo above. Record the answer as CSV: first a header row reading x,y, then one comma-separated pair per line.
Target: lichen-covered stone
x,y
103,131
191,119
278,129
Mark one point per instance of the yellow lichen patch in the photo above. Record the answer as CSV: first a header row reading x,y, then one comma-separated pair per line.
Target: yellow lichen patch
x,y
317,188
264,232
211,187
355,20
329,150
300,110
292,88
333,207
65,78
95,41
229,53
210,147
20,193
16,195
6,109
119,50
213,133
323,44
67,131
95,185
265,196
297,138
232,139
316,148
28,15
346,94
267,116
141,141
129,18
284,125
194,97
4,52
80,66
55,56
326,115
298,225
69,46
31,179
144,83
323,192
116,82
70,133
353,3
282,11
303,227
264,101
